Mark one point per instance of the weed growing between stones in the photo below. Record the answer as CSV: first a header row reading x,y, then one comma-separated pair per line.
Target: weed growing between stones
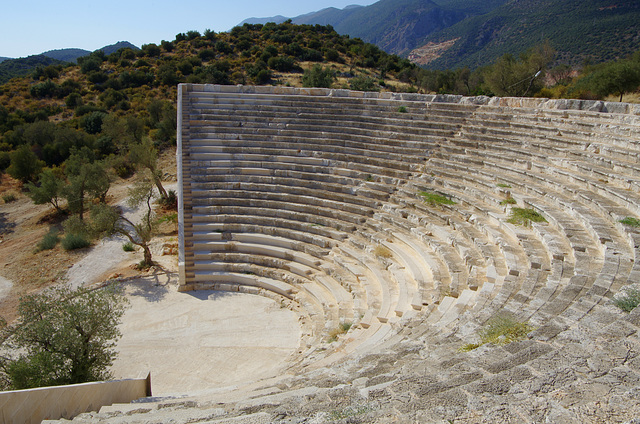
x,y
500,330
503,185
436,199
343,328
350,412
128,247
631,222
508,201
402,109
628,299
522,216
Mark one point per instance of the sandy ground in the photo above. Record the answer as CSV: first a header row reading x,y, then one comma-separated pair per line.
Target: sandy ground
x,y
202,340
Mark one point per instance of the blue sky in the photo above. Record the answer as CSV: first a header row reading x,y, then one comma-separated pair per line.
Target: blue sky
x,y
30,27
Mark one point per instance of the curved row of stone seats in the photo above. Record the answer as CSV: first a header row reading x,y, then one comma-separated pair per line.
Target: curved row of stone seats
x,y
301,141
517,306
600,225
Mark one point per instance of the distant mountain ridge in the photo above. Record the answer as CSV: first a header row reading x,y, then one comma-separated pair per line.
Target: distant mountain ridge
x,y
66,55
443,34
11,68
396,26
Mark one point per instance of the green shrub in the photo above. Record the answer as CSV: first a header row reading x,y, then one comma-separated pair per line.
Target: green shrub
x,y
522,216
630,221
502,185
628,299
49,241
362,83
128,247
402,109
9,197
435,199
169,202
509,201
73,241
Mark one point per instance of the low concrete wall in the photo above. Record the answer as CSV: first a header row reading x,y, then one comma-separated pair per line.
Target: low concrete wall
x,y
52,403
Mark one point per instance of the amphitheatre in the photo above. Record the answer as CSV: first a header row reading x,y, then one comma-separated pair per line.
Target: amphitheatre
x,y
379,224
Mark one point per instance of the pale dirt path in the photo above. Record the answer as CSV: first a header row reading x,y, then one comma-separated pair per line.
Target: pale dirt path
x,y
5,287
107,256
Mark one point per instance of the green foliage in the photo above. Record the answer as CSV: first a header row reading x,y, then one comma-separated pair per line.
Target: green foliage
x,y
318,76
436,199
612,78
49,240
513,77
342,328
87,178
509,201
128,247
13,68
107,220
74,241
25,165
9,197
631,221
500,330
48,190
363,83
524,216
64,336
503,185
628,299
402,109
170,202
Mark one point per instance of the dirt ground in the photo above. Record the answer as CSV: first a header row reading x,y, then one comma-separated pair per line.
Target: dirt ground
x,y
23,224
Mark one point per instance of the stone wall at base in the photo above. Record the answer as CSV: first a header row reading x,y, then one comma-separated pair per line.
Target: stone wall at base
x,y
51,403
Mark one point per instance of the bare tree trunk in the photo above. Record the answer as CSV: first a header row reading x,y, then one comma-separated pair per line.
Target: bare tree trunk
x,y
147,254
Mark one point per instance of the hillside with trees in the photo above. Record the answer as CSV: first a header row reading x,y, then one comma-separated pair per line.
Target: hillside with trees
x,y
448,34
591,30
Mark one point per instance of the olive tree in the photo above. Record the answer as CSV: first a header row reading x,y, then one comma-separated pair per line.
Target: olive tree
x,y
62,336
145,155
48,190
107,220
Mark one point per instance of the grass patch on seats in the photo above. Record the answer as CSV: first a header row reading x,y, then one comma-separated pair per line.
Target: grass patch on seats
x,y
508,201
627,299
524,216
500,330
338,331
631,222
436,198
503,185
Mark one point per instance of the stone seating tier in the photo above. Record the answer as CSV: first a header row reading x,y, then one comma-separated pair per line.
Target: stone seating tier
x,y
313,196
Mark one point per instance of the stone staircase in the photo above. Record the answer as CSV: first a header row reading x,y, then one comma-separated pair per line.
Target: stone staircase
x,y
313,196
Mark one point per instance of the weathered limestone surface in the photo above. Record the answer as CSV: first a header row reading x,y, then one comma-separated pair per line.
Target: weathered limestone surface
x,y
315,196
